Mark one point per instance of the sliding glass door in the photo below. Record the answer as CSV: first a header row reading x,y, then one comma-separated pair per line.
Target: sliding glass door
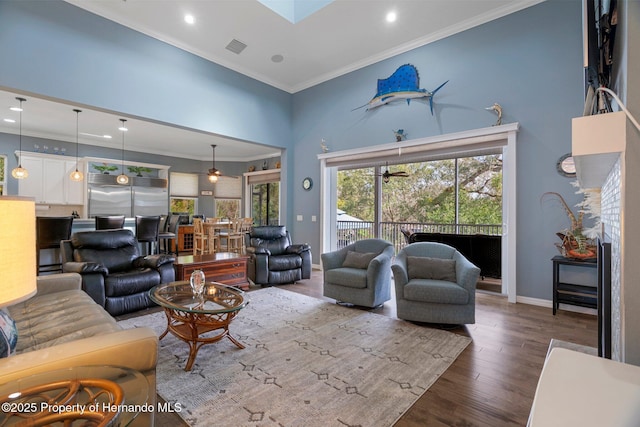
x,y
265,203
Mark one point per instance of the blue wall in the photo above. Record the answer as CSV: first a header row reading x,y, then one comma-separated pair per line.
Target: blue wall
x,y
55,49
529,62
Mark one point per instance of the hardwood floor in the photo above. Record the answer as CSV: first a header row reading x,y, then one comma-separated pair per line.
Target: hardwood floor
x,y
493,381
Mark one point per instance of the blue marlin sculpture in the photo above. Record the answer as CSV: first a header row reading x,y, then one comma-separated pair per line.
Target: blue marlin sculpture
x,y
404,83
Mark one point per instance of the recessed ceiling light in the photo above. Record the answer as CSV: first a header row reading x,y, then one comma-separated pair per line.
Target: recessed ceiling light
x,y
189,19
277,58
123,129
391,16
95,136
9,120
15,109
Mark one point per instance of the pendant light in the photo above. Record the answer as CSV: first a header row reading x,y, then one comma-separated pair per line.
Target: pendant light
x,y
20,172
122,178
214,173
76,175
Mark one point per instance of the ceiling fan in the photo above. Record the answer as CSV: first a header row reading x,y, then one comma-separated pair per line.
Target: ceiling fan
x,y
386,175
213,173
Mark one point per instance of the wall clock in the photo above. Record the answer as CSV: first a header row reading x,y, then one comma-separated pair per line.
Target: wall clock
x,y
307,183
566,166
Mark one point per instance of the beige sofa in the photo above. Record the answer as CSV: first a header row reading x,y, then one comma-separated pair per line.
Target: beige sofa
x,y
61,326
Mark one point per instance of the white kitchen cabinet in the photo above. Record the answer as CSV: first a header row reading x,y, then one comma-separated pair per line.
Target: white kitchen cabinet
x,y
31,186
48,181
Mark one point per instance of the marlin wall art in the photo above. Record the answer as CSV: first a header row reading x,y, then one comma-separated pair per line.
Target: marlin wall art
x,y
404,83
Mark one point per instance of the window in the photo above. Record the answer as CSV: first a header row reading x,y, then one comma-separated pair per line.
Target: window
x,y
183,204
228,208
228,193
184,192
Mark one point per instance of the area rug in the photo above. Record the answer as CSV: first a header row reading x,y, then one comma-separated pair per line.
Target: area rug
x,y
307,362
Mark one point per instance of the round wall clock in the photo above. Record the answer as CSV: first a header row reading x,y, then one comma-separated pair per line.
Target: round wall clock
x,y
307,183
566,166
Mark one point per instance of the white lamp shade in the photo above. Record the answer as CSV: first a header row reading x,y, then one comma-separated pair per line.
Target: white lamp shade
x,y
18,249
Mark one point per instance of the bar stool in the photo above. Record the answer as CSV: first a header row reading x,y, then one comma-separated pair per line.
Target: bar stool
x,y
147,231
49,232
109,222
164,236
170,236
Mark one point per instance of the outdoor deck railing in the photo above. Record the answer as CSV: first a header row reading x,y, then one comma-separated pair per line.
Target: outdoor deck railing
x,y
352,231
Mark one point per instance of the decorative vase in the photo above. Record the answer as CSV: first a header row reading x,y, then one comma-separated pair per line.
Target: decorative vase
x,y
197,282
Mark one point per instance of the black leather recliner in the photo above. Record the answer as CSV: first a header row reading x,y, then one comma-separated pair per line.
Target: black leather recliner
x,y
273,260
113,272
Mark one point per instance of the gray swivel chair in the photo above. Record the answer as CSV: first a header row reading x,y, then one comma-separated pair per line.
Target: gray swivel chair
x,y
435,283
359,273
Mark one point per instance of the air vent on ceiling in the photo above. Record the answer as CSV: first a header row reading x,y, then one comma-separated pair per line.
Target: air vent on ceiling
x,y
236,46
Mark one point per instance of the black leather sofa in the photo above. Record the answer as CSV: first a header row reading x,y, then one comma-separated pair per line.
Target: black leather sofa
x,y
113,272
273,260
483,250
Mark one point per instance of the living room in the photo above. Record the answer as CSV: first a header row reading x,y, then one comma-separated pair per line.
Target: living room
x,y
529,61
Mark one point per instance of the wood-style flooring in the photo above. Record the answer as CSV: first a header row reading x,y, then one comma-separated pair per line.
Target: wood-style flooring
x,y
493,381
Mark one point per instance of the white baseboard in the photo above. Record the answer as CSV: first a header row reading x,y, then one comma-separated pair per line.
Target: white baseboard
x,y
549,304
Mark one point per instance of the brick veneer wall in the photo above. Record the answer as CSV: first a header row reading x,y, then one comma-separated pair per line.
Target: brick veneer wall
x,y
611,220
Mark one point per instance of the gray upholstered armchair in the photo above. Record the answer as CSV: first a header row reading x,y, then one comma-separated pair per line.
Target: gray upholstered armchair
x,y
273,260
359,273
435,284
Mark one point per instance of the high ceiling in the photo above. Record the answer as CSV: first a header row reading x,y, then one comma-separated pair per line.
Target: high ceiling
x,y
341,36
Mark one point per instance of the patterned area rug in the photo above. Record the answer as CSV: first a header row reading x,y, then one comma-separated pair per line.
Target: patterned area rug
x,y
307,362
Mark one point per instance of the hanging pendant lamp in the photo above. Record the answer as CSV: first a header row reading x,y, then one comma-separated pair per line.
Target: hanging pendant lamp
x,y
214,173
122,178
20,172
76,175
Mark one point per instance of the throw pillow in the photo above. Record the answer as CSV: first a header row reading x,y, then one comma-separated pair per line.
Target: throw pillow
x,y
8,334
358,259
431,268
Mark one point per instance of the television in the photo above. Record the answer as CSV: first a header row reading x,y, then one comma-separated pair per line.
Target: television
x,y
599,22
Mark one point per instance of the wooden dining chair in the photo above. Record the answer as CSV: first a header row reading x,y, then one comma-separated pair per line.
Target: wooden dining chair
x,y
200,239
236,236
247,224
204,239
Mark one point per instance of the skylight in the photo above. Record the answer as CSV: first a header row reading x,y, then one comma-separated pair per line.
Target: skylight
x,y
295,11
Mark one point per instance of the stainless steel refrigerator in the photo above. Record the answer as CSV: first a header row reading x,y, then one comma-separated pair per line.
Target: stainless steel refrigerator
x,y
142,196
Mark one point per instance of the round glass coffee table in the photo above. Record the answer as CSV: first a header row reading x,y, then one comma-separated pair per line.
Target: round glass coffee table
x,y
199,320
77,396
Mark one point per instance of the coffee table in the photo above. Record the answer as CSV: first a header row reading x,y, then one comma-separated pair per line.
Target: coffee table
x,y
199,320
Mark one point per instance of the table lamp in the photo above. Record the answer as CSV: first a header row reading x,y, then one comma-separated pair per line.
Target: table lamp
x,y
18,249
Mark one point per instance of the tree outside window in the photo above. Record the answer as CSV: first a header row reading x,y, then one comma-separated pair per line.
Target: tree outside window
x,y
184,204
227,208
428,194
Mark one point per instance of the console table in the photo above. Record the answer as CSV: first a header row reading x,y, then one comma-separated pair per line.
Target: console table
x,y
223,267
571,293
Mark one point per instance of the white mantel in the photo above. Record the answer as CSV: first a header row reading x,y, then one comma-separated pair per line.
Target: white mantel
x,y
596,144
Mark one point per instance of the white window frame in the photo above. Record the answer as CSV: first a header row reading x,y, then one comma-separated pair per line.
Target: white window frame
x,y
465,143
